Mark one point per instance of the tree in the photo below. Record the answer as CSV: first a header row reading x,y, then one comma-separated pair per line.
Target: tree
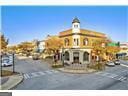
x,y
12,48
99,47
112,50
26,47
53,43
3,42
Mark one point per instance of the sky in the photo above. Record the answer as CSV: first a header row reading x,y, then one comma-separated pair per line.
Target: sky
x,y
26,23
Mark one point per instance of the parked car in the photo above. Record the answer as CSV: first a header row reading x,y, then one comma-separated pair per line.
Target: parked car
x,y
117,62
5,62
110,63
35,56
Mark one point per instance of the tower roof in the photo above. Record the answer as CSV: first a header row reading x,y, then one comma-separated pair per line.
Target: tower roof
x,y
75,20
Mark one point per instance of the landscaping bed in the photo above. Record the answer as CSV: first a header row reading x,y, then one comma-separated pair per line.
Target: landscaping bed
x,y
97,66
8,73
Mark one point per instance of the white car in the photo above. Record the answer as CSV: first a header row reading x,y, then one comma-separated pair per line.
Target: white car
x,y
110,63
5,62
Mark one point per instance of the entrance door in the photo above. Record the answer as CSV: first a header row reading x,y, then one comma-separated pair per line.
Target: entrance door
x,y
76,57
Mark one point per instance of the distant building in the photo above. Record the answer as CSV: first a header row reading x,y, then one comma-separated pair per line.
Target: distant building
x,y
124,49
41,45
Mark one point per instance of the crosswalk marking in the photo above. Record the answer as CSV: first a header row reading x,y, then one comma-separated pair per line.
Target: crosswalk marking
x,y
40,73
113,76
122,78
26,76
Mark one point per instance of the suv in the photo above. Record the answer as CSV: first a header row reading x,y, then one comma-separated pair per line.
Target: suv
x,y
117,62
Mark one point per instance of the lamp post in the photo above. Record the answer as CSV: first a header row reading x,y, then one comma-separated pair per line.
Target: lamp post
x,y
63,56
1,64
13,63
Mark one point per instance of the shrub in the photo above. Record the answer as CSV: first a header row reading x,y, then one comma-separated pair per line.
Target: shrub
x,y
97,66
57,66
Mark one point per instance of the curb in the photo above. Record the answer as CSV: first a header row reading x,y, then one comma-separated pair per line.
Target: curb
x,y
12,82
76,71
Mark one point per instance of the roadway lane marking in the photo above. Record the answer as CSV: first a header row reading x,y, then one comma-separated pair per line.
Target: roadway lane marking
x,y
41,73
35,75
49,72
110,75
124,65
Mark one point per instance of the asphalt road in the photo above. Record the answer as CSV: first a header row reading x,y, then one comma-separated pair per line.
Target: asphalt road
x,y
38,75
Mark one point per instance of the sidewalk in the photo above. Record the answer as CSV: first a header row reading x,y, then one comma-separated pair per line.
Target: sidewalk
x,y
10,81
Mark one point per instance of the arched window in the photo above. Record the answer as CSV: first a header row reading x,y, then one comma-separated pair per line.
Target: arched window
x,y
85,41
66,55
86,56
66,41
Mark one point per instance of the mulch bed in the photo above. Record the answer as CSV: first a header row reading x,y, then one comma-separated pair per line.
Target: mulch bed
x,y
7,73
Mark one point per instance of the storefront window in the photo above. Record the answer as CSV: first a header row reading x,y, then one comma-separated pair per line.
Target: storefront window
x,y
66,55
86,56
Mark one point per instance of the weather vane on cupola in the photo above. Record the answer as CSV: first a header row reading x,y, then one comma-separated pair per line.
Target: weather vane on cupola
x,y
75,20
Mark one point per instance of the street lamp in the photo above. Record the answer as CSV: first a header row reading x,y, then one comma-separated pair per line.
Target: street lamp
x,y
13,62
63,56
1,64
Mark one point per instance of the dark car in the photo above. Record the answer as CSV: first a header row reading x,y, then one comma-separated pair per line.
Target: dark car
x,y
117,62
35,57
